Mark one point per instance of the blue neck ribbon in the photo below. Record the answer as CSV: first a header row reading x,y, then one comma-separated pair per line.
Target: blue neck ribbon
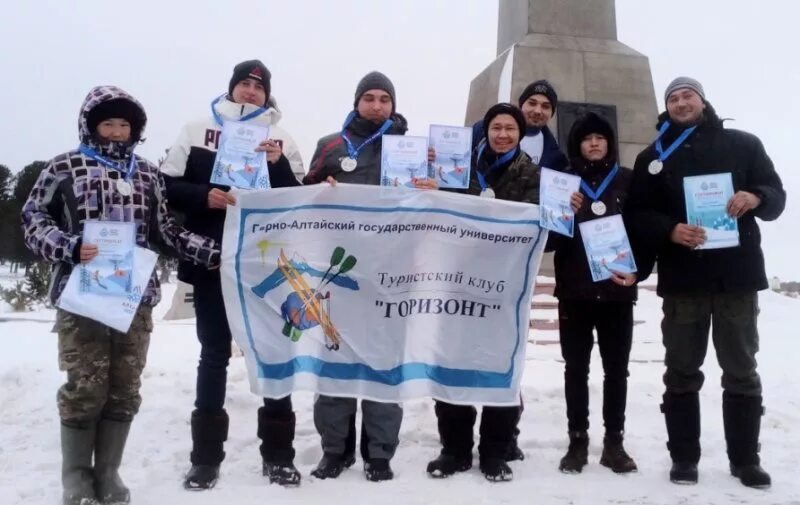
x,y
115,165
353,151
595,195
246,117
662,154
502,160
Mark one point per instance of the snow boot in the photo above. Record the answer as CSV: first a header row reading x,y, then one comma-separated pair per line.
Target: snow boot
x,y
276,431
682,416
109,447
331,465
378,470
496,469
209,431
614,455
577,455
742,419
77,479
446,465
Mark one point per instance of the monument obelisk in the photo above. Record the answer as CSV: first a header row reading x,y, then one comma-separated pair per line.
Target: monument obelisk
x,y
573,44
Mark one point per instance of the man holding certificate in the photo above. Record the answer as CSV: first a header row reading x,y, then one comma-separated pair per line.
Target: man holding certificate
x,y
89,212
698,186
585,305
189,169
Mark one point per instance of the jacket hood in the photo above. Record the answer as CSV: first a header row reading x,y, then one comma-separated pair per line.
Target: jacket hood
x,y
113,150
590,123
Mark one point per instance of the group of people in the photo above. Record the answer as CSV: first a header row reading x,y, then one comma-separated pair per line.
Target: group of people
x,y
511,144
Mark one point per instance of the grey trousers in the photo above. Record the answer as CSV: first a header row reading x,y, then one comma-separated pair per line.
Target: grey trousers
x,y
732,318
381,421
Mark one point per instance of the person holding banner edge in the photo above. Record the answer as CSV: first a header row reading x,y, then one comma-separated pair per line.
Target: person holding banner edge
x,y
585,306
102,180
187,170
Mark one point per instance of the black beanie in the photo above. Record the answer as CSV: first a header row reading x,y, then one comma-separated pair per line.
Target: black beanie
x,y
587,124
375,80
541,87
503,108
250,69
117,108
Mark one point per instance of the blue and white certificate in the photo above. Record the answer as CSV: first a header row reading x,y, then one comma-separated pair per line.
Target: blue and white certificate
x,y
555,190
707,199
403,159
607,247
237,163
110,273
453,146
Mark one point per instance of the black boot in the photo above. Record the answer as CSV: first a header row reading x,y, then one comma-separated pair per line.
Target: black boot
x,y
497,432
742,418
514,452
496,469
109,447
455,424
276,431
682,416
331,465
378,470
614,455
77,478
577,453
209,432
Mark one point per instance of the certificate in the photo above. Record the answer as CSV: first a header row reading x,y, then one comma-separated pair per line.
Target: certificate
x,y
607,247
707,199
237,163
110,273
453,145
555,190
403,159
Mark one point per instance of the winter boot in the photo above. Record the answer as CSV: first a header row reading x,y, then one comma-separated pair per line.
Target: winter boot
x,y
109,447
209,431
378,470
742,419
77,446
446,465
577,455
514,453
496,469
276,431
331,465
614,455
682,416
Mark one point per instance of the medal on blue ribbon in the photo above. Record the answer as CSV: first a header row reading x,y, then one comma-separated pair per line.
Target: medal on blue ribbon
x,y
123,184
657,164
598,207
486,191
351,162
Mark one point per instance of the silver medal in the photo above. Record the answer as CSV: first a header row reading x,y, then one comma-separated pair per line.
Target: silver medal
x,y
487,193
599,208
124,187
655,167
349,164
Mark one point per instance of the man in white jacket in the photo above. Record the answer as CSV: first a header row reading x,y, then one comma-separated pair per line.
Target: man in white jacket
x,y
187,170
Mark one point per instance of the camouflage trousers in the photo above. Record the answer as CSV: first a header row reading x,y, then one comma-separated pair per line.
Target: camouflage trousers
x,y
104,367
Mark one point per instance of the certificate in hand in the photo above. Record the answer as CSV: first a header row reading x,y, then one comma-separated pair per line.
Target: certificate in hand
x,y
110,273
403,159
607,247
237,163
707,199
555,190
453,146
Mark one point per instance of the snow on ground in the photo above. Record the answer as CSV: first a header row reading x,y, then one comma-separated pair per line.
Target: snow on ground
x,y
159,444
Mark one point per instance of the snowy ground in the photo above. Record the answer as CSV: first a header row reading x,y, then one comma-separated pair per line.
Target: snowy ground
x,y
158,451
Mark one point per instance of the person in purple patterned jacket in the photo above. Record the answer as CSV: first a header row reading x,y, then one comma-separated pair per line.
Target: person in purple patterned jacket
x,y
102,180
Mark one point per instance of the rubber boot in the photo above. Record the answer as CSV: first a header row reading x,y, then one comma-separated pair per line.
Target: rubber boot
x,y
109,447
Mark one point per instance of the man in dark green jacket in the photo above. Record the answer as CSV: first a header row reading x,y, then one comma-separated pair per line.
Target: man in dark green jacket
x,y
705,286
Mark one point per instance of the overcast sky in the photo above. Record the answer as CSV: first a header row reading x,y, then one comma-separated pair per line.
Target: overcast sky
x,y
175,56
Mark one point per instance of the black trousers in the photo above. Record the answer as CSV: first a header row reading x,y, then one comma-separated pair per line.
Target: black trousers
x,y
456,424
614,324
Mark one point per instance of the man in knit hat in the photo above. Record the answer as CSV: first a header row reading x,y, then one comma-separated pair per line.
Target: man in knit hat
x,y
187,170
538,102
715,288
353,155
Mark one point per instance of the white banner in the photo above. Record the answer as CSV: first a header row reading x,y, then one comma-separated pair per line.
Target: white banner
x,y
386,294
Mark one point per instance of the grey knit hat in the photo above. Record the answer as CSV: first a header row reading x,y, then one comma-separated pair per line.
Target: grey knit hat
x,y
684,83
375,80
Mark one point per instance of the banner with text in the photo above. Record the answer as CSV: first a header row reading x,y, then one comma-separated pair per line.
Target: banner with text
x,y
386,294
